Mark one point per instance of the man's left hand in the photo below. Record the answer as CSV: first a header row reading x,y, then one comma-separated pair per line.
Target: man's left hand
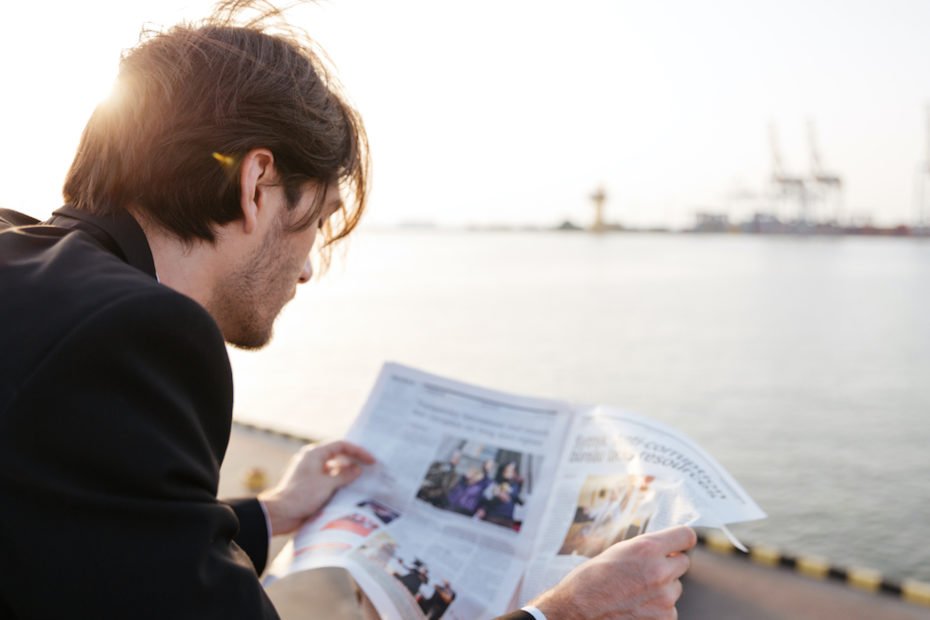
x,y
312,476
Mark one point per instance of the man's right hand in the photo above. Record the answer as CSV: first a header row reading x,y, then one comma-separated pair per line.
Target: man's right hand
x,y
634,579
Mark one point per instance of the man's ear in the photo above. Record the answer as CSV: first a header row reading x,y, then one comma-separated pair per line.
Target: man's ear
x,y
257,167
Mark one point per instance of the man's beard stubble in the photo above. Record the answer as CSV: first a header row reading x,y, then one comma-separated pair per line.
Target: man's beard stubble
x,y
252,298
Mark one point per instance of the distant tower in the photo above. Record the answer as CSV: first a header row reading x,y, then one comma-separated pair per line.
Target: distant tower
x,y
922,185
599,197
827,186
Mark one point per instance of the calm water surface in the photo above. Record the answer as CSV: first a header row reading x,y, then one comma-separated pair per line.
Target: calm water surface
x,y
802,364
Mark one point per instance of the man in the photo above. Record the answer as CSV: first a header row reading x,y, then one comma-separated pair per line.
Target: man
x,y
195,198
439,479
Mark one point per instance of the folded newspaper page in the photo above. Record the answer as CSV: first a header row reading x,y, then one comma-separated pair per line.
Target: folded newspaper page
x,y
480,498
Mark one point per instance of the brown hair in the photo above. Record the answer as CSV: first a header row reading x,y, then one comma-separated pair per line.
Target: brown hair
x,y
189,102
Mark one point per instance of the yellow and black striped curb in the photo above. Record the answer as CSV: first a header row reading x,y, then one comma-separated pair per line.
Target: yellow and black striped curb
x,y
910,590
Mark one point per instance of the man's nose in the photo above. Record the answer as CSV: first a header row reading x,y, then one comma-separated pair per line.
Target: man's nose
x,y
307,272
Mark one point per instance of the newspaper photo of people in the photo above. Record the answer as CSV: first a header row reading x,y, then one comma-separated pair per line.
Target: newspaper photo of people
x,y
433,595
610,509
480,481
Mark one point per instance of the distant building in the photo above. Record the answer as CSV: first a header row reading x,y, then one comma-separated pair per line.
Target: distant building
x,y
568,225
711,222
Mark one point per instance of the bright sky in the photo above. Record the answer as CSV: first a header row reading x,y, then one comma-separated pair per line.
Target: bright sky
x,y
513,112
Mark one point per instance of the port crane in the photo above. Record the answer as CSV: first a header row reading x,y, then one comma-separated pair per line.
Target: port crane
x,y
787,187
827,186
805,192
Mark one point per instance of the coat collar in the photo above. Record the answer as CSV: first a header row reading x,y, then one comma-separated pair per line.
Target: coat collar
x,y
118,232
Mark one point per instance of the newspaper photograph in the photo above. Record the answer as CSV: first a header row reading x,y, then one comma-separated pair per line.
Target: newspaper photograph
x,y
622,475
480,481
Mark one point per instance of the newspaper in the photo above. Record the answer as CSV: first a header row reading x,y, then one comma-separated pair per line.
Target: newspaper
x,y
483,499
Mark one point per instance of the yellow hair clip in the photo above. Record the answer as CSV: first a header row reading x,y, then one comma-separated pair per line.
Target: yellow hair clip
x,y
225,160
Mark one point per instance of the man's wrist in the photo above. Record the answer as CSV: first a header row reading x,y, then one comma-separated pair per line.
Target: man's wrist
x,y
534,611
264,508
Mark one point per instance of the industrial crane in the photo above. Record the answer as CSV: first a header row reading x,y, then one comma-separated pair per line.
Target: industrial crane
x,y
825,185
806,191
787,186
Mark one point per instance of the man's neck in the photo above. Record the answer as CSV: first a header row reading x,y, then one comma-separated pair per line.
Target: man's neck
x,y
189,267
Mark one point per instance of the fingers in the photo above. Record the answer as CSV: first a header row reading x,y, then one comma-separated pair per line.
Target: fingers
x,y
674,540
679,564
341,470
662,603
343,460
341,447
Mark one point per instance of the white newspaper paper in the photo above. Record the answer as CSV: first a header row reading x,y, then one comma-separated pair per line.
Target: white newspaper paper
x,y
476,491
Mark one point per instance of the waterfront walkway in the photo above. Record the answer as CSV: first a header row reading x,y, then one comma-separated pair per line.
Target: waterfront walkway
x,y
718,587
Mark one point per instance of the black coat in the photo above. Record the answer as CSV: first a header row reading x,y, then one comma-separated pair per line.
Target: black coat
x,y
115,412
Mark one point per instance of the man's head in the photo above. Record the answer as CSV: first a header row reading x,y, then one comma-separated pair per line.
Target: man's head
x,y
190,102
208,120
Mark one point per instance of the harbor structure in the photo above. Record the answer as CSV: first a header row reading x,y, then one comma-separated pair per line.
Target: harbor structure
x,y
922,182
826,187
814,198
598,198
787,189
